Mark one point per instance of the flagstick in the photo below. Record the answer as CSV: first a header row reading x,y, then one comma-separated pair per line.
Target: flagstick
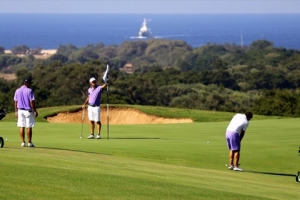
x,y
107,112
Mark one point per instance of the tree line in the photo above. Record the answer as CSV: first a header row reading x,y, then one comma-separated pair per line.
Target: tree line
x,y
222,77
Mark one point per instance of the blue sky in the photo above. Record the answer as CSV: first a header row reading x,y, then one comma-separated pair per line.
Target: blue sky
x,y
154,6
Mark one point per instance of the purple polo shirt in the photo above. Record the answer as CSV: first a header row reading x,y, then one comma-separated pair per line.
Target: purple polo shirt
x,y
95,95
23,96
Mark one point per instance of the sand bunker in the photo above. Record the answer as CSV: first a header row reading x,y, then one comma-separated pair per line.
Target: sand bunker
x,y
116,116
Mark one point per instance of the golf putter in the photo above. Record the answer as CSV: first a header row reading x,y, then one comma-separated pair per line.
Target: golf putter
x,y
82,118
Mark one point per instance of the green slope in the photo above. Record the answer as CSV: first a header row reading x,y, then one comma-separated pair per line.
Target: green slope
x,y
150,162
196,115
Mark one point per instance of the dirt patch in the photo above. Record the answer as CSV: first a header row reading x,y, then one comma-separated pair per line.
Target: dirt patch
x,y
45,53
116,116
8,77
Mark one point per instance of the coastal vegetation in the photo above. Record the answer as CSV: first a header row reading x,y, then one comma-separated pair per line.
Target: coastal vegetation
x,y
219,77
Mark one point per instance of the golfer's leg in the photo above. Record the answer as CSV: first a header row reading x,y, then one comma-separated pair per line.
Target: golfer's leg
x,y
97,119
22,134
21,123
236,145
228,141
29,134
91,118
29,121
236,158
92,127
99,127
231,158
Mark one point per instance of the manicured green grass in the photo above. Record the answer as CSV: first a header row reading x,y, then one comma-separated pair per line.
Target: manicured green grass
x,y
196,115
150,162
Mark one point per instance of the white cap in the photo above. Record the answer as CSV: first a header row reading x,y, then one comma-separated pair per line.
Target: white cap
x,y
92,79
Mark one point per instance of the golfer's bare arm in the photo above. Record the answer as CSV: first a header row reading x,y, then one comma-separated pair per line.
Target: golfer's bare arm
x,y
86,101
242,135
16,108
32,104
103,86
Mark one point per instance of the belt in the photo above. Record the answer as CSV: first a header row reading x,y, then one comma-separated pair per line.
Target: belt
x,y
94,105
30,110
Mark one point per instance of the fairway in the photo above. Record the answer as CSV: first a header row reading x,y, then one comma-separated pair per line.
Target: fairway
x,y
150,162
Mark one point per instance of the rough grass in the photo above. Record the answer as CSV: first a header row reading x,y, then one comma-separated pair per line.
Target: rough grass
x,y
150,162
196,115
44,112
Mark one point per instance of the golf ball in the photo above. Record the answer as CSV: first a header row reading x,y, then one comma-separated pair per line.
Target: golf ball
x,y
6,139
207,142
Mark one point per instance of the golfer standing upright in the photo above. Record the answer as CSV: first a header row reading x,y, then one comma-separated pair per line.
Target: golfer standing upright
x,y
234,135
25,111
94,96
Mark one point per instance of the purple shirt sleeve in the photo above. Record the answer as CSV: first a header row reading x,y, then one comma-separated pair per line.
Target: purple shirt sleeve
x,y
31,96
15,97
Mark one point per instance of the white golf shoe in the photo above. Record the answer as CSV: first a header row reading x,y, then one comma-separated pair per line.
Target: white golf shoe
x,y
91,136
230,167
23,144
31,145
237,169
98,136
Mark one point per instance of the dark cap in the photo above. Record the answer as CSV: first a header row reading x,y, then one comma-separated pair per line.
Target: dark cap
x,y
28,80
249,115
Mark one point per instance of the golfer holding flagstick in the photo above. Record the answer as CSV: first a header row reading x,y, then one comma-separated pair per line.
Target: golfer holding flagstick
x,y
93,99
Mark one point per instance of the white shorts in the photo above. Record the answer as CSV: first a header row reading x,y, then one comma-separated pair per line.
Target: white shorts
x,y
25,118
94,113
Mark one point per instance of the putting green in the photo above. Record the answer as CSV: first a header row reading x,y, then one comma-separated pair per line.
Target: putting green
x,y
167,161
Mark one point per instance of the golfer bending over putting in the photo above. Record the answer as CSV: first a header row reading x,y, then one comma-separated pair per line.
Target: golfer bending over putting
x,y
94,96
234,135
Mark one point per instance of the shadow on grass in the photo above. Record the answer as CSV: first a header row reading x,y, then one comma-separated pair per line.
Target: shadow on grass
x,y
133,138
272,173
80,151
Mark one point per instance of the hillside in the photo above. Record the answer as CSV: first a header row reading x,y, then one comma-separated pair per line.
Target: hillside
x,y
166,73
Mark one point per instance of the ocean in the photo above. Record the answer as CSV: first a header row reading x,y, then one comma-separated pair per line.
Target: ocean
x,y
48,31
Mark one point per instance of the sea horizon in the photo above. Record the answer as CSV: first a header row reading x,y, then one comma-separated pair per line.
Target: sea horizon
x,y
49,30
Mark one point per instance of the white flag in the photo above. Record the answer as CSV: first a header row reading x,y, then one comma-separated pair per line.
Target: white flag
x,y
105,76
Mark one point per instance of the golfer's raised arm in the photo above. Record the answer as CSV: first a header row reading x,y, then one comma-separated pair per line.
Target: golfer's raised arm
x,y
103,86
